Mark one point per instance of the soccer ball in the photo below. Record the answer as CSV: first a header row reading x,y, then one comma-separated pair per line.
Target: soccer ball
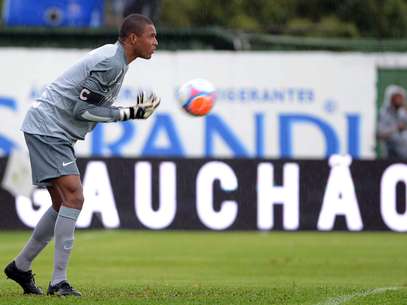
x,y
197,96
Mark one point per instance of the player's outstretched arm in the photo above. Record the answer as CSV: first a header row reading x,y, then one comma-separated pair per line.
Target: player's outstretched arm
x,y
88,109
91,113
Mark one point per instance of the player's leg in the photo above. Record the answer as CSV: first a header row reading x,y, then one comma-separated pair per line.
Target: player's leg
x,y
55,197
20,269
42,234
70,189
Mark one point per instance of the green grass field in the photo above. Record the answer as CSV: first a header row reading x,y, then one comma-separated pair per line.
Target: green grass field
x,y
135,267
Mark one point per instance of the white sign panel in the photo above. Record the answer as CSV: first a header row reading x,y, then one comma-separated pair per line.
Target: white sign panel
x,y
300,105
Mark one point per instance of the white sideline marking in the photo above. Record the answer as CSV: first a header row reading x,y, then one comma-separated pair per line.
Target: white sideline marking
x,y
345,298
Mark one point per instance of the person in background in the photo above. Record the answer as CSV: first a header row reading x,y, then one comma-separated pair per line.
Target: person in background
x,y
392,125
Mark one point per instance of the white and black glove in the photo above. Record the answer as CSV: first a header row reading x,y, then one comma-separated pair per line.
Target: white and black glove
x,y
147,102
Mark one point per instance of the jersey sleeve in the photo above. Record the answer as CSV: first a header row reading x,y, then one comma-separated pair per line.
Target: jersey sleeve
x,y
91,113
100,81
93,92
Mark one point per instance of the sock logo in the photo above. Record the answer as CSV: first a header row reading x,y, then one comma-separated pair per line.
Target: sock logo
x,y
68,244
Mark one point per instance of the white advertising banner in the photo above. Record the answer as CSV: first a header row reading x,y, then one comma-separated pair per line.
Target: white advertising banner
x,y
270,105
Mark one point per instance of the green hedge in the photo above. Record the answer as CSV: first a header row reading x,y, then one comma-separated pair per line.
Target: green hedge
x,y
307,18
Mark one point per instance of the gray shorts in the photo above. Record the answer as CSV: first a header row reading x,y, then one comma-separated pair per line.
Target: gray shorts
x,y
50,158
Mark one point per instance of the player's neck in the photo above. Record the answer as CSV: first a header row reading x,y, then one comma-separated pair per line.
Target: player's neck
x,y
128,52
130,56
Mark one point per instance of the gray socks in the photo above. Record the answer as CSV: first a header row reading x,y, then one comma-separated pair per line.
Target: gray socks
x,y
40,237
64,236
62,225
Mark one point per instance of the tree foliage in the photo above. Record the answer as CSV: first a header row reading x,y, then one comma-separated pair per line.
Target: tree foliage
x,y
325,18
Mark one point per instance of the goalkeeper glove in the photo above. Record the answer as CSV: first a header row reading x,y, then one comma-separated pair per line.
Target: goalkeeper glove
x,y
147,102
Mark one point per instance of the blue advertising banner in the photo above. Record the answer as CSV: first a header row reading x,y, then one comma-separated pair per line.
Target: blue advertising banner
x,y
61,13
269,105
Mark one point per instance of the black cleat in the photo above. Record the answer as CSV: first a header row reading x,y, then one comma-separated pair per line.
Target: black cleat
x,y
24,278
62,289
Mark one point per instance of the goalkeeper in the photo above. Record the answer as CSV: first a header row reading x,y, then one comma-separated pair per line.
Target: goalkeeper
x,y
67,110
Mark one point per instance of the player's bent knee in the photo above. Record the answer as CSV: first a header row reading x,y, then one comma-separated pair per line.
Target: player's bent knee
x,y
71,192
74,201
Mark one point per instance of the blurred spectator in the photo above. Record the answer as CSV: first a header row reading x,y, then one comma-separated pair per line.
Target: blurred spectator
x,y
149,8
116,10
392,125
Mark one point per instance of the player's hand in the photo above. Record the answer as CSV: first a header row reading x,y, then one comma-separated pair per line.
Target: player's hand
x,y
147,98
147,102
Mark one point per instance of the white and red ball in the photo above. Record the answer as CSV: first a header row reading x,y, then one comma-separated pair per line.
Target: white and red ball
x,y
197,96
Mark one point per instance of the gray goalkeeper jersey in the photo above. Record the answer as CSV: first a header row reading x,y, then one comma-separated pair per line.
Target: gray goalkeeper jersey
x,y
60,112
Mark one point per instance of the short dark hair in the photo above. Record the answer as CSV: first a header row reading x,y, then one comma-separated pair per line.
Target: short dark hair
x,y
133,23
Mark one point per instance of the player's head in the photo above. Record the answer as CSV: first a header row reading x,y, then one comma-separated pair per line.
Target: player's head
x,y
138,33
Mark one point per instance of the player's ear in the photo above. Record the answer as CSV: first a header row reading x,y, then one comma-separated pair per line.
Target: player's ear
x,y
133,38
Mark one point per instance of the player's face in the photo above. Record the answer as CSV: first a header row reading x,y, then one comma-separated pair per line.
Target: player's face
x,y
397,100
147,43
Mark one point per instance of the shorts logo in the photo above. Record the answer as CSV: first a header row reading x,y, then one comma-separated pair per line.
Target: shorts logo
x,y
67,163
